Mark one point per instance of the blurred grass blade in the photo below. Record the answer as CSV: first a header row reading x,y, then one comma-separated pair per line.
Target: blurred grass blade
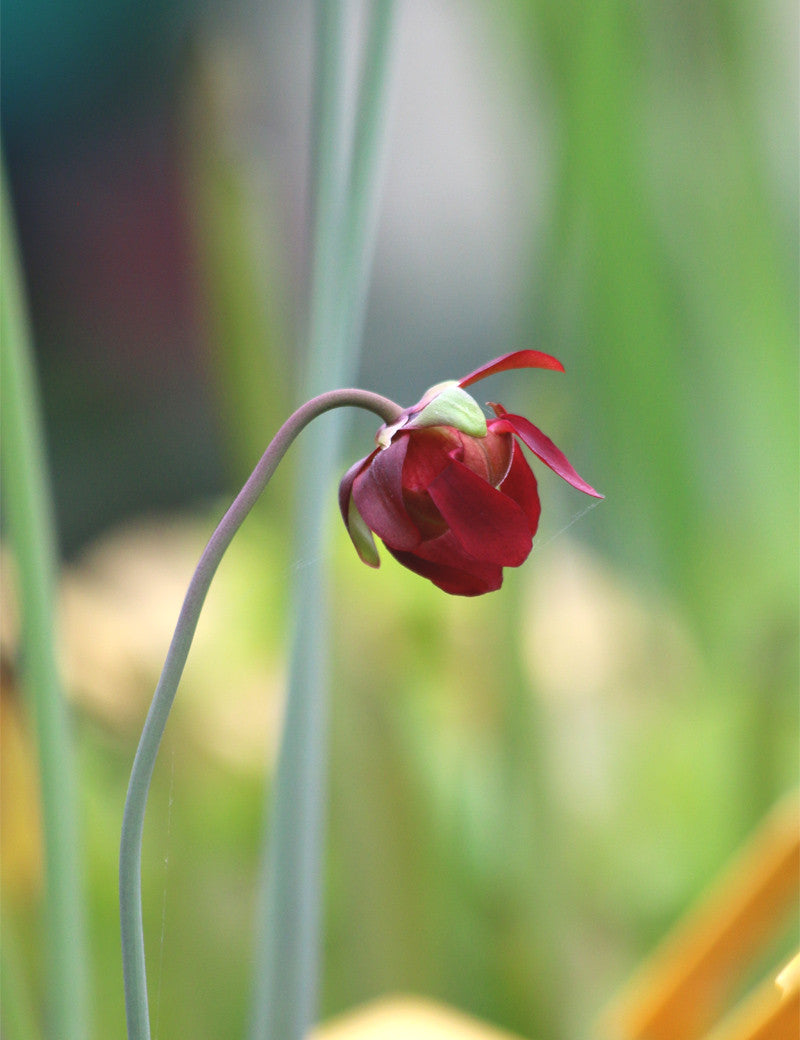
x,y
286,960
17,1016
29,522
345,193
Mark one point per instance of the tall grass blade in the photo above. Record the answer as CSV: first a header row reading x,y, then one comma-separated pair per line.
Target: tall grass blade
x,y
29,522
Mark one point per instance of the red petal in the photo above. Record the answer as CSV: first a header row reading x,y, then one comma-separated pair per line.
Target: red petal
x,y
520,485
541,446
489,526
429,452
518,359
378,494
445,565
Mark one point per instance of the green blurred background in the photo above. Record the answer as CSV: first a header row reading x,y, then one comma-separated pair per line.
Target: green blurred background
x,y
527,790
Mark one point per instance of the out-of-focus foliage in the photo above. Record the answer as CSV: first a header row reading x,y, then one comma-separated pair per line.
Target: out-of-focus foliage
x,y
529,788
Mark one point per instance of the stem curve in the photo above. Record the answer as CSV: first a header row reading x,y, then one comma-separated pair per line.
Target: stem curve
x,y
130,891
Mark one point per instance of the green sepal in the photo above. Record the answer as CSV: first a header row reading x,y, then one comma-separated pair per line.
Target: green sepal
x,y
454,407
361,536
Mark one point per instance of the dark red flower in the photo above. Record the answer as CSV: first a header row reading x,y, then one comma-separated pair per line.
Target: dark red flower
x,y
449,492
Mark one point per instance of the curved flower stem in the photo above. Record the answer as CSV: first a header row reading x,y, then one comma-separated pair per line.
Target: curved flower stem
x,y
130,895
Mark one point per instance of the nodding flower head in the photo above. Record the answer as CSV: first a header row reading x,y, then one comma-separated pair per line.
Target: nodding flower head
x,y
450,492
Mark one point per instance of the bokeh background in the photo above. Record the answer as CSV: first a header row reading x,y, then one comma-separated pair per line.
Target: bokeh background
x,y
528,789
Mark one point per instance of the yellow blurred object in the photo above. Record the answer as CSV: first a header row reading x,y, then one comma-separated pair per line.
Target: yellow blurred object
x,y
771,1013
788,980
119,606
20,827
403,1018
681,992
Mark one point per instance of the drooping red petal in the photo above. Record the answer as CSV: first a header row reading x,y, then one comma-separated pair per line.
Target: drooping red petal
x,y
517,359
378,495
490,527
541,446
520,485
443,562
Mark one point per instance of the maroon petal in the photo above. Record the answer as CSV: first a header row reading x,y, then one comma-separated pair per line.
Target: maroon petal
x,y
541,446
489,526
346,485
518,359
378,495
520,485
443,562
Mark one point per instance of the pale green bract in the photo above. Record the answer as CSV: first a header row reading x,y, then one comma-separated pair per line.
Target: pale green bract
x,y
362,536
454,407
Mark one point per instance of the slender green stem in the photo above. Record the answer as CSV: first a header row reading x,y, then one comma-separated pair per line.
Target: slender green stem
x,y
325,364
28,515
363,184
133,958
345,192
287,943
